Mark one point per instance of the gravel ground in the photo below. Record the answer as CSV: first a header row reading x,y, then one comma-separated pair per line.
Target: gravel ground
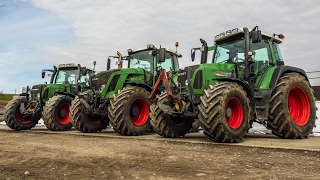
x,y
25,155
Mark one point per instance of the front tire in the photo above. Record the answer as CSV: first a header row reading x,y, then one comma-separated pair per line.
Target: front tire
x,y
166,125
56,113
15,120
224,112
129,111
292,112
85,122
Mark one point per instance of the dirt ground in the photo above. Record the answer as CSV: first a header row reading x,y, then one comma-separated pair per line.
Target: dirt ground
x,y
25,155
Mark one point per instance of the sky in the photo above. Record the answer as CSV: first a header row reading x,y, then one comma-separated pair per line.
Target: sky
x,y
37,34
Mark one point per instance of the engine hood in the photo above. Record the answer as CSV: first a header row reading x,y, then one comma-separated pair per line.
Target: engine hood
x,y
97,80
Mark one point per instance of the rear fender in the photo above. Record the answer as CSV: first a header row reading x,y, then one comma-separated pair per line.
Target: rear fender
x,y
145,86
65,93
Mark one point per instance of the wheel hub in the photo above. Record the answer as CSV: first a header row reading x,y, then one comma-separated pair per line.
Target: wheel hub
x,y
62,113
134,111
228,112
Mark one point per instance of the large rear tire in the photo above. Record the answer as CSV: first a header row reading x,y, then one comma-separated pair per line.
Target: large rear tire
x,y
85,122
56,113
129,111
224,112
292,112
13,117
166,125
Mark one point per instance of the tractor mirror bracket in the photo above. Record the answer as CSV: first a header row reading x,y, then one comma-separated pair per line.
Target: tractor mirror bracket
x,y
162,55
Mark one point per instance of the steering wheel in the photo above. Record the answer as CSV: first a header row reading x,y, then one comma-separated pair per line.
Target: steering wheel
x,y
239,60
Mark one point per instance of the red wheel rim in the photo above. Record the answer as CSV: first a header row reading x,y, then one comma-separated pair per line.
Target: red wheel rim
x,y
299,106
234,113
23,120
95,120
62,113
139,112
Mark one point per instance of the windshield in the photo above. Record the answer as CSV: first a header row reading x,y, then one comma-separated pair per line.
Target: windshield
x,y
144,59
230,52
66,76
171,62
141,59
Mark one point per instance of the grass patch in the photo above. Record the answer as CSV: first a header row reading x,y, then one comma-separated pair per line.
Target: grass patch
x,y
5,98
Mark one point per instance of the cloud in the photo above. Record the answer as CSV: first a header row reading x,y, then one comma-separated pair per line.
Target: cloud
x,y
83,31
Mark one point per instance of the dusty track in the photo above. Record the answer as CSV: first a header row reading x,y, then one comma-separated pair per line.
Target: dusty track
x,y
40,154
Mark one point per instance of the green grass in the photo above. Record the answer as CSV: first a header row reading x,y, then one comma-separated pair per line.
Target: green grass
x,y
5,98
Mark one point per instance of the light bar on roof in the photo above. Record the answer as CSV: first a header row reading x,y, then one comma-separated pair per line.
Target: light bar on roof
x,y
228,33
68,65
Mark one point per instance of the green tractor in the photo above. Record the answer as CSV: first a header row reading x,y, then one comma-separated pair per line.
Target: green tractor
x,y
50,101
120,96
245,82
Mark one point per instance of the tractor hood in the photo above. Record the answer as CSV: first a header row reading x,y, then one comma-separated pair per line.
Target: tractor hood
x,y
101,78
36,89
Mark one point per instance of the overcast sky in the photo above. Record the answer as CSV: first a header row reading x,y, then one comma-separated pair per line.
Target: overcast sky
x,y
37,34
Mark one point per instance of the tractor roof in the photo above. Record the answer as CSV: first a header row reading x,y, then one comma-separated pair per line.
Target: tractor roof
x,y
236,31
151,47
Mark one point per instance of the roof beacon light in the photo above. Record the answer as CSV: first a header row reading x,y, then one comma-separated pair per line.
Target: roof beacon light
x,y
281,36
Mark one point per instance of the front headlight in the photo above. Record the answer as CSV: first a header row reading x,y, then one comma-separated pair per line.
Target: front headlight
x,y
102,88
186,82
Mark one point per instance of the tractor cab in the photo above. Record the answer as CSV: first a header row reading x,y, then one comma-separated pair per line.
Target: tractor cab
x,y
250,54
148,59
67,78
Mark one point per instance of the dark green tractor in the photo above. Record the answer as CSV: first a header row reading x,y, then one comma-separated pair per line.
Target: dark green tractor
x,y
49,101
120,96
246,81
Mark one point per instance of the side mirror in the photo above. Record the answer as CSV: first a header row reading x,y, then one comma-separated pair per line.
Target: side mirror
x,y
193,54
256,36
162,55
108,63
43,74
83,71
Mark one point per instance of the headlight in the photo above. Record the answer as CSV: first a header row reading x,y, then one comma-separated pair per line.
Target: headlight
x,y
186,82
102,87
38,95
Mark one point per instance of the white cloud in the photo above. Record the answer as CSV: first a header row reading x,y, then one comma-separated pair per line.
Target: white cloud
x,y
93,30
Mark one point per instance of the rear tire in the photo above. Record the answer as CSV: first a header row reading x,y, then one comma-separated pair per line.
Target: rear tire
x,y
129,111
85,122
56,113
224,112
13,117
164,124
292,112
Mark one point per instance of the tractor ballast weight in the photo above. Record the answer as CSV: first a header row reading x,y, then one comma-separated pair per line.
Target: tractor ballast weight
x,y
245,82
120,96
50,101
